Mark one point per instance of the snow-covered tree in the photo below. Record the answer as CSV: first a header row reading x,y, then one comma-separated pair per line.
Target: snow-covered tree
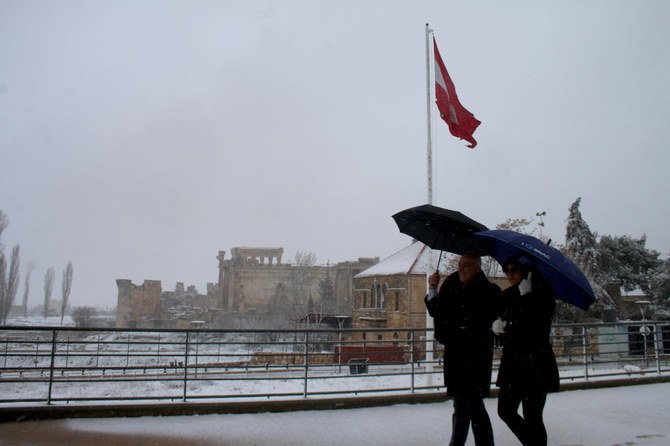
x,y
659,288
580,242
581,247
626,262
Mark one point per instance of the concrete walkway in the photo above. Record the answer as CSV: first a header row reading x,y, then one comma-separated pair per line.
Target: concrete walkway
x,y
631,415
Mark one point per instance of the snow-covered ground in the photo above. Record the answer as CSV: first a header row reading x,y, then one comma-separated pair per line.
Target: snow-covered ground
x,y
636,415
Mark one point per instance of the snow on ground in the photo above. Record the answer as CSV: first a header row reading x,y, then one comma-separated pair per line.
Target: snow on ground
x,y
635,415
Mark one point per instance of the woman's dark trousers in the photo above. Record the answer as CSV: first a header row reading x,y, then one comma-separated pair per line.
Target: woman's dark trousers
x,y
529,429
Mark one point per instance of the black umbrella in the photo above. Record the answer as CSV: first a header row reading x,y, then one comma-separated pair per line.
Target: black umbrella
x,y
440,228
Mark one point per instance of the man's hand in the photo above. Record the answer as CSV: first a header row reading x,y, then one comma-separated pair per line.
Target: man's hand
x,y
434,279
524,286
498,326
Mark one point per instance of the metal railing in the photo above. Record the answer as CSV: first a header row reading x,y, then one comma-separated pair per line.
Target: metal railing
x,y
51,365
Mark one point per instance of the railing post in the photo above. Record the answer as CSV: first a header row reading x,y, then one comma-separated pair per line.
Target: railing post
x,y
197,343
67,351
52,365
127,353
186,364
411,358
158,352
304,392
218,349
37,350
585,353
657,349
97,352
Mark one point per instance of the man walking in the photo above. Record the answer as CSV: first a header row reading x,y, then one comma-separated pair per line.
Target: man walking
x,y
463,311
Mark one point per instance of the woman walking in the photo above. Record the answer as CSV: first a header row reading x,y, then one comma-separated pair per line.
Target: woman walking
x,y
528,369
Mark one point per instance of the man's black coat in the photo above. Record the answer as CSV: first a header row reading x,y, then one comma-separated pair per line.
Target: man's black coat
x,y
463,316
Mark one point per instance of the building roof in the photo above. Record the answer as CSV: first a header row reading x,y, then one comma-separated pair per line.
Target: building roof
x,y
410,260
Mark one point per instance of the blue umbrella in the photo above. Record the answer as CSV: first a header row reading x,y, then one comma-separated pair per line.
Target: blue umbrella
x,y
566,279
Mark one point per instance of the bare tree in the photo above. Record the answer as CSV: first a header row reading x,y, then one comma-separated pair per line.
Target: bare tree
x,y
48,289
3,282
319,311
299,278
10,284
83,315
9,280
66,287
4,222
26,288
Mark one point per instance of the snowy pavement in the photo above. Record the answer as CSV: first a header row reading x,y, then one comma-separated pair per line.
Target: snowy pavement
x,y
635,415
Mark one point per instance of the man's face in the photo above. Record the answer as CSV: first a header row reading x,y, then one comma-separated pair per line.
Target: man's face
x,y
468,268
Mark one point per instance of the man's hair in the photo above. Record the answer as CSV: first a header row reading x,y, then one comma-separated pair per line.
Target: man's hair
x,y
476,257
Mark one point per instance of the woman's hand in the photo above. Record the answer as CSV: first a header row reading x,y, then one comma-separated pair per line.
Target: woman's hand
x,y
525,286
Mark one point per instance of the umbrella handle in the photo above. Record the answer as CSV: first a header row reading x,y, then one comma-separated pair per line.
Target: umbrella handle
x,y
437,269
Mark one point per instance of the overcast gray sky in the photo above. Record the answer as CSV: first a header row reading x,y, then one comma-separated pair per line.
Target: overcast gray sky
x,y
138,138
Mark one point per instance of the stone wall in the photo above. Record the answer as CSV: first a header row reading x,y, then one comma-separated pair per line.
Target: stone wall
x,y
137,302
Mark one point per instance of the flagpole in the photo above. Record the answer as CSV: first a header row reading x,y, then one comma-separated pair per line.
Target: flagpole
x,y
429,267
429,155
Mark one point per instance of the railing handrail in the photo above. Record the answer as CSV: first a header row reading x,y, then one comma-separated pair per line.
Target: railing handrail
x,y
48,360
291,330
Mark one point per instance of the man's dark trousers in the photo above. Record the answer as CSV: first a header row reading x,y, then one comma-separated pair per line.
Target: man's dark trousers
x,y
467,410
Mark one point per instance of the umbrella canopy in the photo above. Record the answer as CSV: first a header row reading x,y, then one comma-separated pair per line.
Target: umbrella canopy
x,y
439,228
566,279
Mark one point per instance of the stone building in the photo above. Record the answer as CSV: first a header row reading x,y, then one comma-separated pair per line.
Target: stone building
x,y
254,289
255,280
390,295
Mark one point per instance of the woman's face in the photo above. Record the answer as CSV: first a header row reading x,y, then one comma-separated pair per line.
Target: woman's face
x,y
514,274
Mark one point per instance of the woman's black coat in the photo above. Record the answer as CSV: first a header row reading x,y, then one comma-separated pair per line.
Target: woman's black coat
x,y
528,364
463,316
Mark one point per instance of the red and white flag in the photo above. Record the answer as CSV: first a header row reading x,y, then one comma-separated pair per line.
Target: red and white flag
x,y
462,123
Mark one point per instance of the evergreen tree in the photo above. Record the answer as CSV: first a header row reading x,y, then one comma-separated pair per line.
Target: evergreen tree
x,y
659,289
580,242
626,262
581,247
327,290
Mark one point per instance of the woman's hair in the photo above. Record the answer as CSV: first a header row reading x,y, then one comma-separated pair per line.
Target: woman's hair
x,y
520,261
